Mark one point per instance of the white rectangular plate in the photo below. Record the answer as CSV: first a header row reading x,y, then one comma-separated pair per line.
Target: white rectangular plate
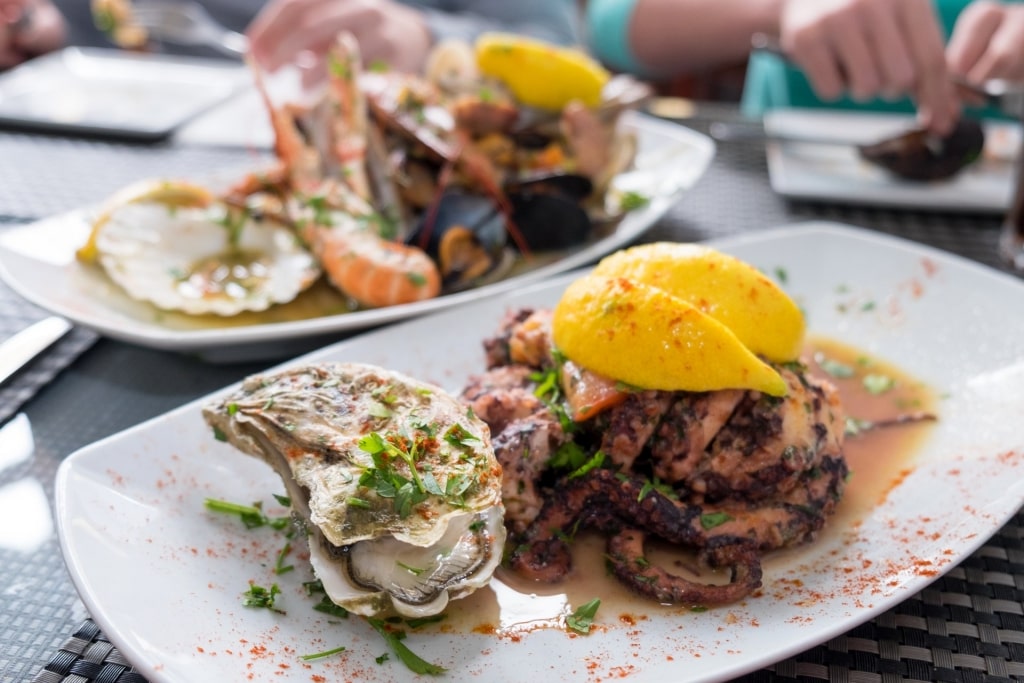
x,y
163,578
114,93
38,262
834,173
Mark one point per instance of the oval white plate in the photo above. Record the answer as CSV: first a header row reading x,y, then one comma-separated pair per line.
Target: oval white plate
x,y
162,577
38,262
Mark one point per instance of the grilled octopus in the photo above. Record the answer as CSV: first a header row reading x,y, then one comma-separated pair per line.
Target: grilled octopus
x,y
731,474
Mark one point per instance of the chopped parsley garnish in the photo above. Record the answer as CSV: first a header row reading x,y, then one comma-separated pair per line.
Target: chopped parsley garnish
x,y
338,68
457,435
659,486
570,456
412,661
423,621
878,384
321,655
415,571
251,515
258,596
325,605
594,462
280,567
550,392
408,491
835,368
582,619
713,519
855,426
233,220
379,410
633,200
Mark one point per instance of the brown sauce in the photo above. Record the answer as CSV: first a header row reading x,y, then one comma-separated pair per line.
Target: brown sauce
x,y
878,459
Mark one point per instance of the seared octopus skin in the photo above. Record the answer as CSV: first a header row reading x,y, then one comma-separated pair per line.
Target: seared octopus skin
x,y
502,395
525,436
738,473
627,427
502,349
732,536
627,562
768,443
524,448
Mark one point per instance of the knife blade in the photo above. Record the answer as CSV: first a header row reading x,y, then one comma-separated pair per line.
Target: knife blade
x,y
25,345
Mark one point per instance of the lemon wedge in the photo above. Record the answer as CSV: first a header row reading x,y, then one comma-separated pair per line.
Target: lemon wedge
x,y
168,192
648,338
758,312
540,74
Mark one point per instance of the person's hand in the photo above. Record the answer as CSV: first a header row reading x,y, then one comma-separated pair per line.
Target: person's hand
x,y
28,28
873,48
387,32
988,42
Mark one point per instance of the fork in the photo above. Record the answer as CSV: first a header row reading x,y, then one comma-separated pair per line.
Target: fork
x,y
187,23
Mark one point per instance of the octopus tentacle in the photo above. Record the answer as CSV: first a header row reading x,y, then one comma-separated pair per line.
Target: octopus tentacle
x,y
544,553
629,563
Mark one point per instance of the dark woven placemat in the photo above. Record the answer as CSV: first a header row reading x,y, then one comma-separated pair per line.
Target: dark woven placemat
x,y
54,174
16,314
967,627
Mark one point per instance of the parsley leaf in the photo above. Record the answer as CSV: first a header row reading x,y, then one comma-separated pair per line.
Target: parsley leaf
x,y
414,662
583,618
713,519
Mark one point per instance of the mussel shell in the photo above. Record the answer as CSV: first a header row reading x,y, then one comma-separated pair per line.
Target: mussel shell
x,y
549,220
465,235
917,155
572,186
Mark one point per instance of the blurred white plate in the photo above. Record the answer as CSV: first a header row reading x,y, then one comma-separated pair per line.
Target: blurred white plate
x,y
163,577
38,261
114,93
834,173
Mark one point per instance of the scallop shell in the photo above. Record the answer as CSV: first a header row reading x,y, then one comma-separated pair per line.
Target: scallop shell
x,y
192,259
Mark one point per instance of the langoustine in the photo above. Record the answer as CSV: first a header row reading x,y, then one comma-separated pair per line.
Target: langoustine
x,y
322,180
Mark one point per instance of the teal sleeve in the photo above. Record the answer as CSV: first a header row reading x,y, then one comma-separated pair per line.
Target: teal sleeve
x,y
607,33
771,83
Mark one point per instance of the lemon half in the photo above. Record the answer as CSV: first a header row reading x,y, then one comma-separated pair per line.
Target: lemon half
x,y
540,74
761,315
646,337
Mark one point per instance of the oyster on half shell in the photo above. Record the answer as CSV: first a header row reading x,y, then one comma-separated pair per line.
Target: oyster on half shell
x,y
397,481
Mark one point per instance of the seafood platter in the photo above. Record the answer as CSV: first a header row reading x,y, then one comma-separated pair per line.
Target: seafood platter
x,y
389,195
690,461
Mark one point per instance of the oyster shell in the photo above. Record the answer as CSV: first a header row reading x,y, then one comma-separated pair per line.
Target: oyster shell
x,y
202,259
396,480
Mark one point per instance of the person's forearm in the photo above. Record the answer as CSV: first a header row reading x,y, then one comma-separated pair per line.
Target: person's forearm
x,y
679,36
